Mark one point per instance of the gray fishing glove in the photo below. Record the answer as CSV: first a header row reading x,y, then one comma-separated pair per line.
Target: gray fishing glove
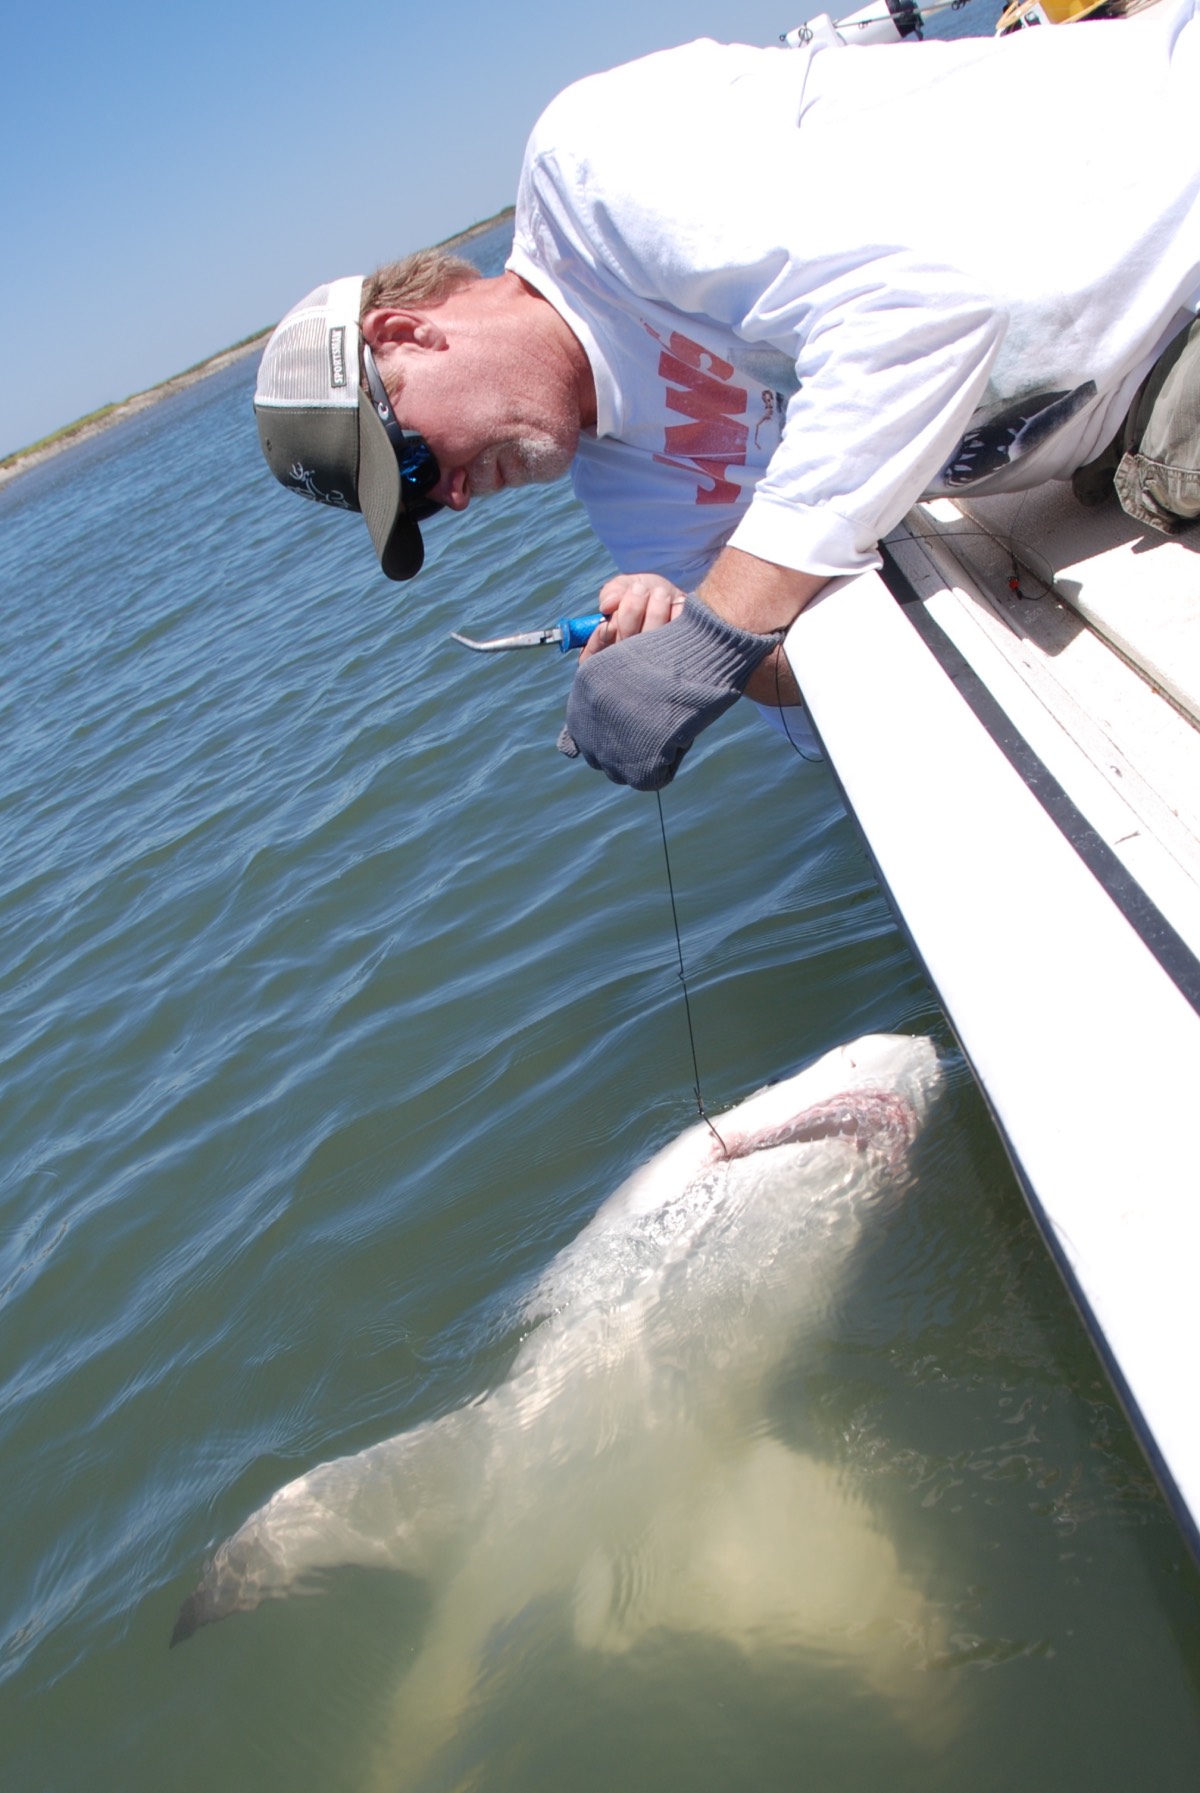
x,y
636,708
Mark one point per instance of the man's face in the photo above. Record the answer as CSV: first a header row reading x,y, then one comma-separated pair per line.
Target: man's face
x,y
495,409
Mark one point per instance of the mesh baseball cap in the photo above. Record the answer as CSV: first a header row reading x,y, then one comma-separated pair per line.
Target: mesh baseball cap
x,y
319,430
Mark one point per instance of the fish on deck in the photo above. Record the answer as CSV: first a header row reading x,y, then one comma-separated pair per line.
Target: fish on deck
x,y
624,1469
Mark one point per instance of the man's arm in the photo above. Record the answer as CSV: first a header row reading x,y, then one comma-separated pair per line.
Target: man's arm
x,y
756,594
759,596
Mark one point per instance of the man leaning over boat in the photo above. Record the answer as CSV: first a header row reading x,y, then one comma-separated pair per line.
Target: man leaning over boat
x,y
759,302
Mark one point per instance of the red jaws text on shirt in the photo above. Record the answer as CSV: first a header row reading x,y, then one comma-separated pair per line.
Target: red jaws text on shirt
x,y
698,386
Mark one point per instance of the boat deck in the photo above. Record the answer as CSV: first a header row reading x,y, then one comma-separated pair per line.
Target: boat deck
x,y
1012,710
1106,627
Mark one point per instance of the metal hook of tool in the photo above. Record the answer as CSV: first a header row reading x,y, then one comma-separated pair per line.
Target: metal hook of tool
x,y
567,633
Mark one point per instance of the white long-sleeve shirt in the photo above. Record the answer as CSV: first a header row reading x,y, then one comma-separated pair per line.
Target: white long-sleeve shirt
x,y
813,285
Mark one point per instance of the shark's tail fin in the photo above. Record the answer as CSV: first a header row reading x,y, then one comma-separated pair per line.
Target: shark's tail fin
x,y
399,1505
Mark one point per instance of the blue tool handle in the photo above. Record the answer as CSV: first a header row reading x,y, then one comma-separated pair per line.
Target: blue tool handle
x,y
578,629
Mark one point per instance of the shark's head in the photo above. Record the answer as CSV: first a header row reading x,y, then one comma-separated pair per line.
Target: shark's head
x,y
737,1239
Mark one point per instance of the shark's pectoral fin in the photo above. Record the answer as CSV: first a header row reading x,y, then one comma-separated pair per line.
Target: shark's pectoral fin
x,y
770,1551
400,1505
237,1579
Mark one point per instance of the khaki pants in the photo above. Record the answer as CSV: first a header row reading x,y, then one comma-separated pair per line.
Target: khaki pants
x,y
1154,464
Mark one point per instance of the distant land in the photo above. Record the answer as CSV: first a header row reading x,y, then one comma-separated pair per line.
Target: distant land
x,y
84,428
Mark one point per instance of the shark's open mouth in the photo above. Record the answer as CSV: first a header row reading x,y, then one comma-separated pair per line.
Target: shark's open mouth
x,y
879,1118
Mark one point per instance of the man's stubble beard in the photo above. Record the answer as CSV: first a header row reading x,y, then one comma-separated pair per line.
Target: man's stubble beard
x,y
535,460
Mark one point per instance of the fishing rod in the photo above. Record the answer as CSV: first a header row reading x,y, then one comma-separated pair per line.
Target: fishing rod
x,y
876,24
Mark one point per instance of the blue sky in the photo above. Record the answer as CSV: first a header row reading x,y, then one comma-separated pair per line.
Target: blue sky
x,y
178,174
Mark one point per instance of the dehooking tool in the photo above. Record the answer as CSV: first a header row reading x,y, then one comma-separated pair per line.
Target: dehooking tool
x,y
567,633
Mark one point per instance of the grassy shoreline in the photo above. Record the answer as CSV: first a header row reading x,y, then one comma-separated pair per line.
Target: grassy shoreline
x,y
84,428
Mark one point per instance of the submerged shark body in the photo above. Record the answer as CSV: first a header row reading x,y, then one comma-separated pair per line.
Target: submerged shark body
x,y
624,1467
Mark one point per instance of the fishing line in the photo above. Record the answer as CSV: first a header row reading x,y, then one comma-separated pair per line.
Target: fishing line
x,y
810,759
1007,542
687,1007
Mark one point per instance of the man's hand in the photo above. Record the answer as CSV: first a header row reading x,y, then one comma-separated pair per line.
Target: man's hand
x,y
634,713
632,604
636,709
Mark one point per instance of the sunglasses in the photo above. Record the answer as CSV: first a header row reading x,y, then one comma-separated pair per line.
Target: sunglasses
x,y
419,471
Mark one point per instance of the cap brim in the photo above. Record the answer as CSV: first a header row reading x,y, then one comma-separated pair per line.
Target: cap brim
x,y
396,537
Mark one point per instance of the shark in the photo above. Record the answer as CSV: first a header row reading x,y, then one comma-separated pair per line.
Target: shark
x,y
624,1475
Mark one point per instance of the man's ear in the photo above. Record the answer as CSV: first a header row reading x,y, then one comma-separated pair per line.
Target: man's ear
x,y
387,328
